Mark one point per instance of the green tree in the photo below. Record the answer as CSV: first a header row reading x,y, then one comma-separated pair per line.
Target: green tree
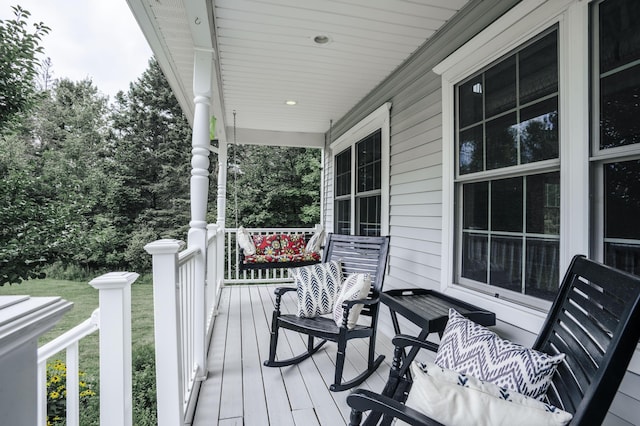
x,y
52,183
70,128
151,151
275,186
19,66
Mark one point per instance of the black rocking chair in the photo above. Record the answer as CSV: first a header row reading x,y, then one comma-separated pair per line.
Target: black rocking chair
x,y
594,321
357,254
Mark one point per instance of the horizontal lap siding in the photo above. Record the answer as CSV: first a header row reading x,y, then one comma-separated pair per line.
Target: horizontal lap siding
x,y
416,171
416,151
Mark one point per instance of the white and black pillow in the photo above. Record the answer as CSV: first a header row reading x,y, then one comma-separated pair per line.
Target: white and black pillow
x,y
318,287
315,242
245,242
355,287
458,399
469,348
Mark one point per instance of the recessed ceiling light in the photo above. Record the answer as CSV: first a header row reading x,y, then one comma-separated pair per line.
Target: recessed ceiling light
x,y
290,102
321,39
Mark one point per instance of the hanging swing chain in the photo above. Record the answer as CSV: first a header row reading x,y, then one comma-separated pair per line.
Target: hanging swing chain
x,y
325,176
235,169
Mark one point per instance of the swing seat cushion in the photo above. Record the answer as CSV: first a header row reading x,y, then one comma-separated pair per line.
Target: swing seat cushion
x,y
280,248
284,258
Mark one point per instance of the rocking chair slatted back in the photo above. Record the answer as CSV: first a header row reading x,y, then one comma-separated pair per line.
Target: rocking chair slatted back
x,y
360,255
595,321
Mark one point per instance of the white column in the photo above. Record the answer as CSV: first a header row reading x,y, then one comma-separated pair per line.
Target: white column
x,y
115,347
166,330
202,75
213,284
221,208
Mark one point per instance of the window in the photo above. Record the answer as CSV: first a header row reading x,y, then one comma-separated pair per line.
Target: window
x,y
525,167
367,179
507,183
615,132
361,177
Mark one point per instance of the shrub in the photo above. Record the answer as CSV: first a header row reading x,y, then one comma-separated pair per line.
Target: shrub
x,y
145,412
57,392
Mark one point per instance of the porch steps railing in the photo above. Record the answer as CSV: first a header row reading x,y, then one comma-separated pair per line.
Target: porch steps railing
x,y
113,320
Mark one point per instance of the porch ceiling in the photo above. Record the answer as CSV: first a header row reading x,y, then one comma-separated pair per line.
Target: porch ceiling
x,y
265,54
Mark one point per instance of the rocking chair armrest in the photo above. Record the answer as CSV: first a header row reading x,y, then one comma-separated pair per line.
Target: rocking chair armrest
x,y
348,304
279,292
362,400
282,290
403,340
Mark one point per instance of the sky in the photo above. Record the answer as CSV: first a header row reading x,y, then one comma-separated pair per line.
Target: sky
x,y
98,39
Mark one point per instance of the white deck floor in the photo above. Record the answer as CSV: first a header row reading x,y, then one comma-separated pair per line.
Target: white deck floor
x,y
241,391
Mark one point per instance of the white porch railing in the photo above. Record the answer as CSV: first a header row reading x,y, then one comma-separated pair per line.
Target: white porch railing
x,y
186,289
113,319
186,286
233,274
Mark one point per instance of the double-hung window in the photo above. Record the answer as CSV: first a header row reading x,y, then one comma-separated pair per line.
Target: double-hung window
x,y
615,159
364,190
507,179
361,176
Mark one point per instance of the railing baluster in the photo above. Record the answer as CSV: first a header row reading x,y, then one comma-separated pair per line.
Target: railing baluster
x,y
42,392
73,385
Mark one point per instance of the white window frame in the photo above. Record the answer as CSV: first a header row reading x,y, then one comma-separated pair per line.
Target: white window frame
x,y
515,28
377,120
600,157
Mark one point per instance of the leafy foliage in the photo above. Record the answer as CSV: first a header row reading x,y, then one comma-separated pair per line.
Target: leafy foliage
x,y
274,186
87,184
57,392
19,65
145,410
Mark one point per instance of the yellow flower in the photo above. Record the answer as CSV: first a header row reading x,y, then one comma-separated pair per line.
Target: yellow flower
x,y
55,379
54,395
82,384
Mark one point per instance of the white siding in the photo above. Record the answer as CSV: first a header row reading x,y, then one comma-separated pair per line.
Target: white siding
x,y
416,172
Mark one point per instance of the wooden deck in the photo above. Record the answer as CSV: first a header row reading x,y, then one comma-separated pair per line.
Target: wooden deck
x,y
241,391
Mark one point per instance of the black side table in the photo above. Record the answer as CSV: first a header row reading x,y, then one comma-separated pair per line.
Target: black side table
x,y
429,310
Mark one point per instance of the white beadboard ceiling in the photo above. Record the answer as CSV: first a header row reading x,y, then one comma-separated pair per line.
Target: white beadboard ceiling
x,y
266,54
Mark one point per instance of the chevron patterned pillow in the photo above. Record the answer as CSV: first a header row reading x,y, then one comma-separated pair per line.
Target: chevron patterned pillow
x,y
469,348
318,287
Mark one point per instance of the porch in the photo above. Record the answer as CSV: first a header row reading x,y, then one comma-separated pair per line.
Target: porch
x,y
240,390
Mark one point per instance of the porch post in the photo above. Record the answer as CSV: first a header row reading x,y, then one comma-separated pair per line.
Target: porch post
x,y
197,238
221,208
169,380
115,347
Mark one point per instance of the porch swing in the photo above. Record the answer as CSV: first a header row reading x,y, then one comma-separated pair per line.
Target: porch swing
x,y
273,251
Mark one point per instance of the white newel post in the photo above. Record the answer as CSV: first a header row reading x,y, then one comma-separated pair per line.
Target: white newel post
x,y
166,324
197,238
23,320
221,208
115,347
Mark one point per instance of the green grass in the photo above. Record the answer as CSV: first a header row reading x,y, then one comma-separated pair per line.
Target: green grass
x,y
85,301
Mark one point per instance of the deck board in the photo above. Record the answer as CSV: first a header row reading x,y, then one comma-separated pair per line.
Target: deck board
x,y
240,390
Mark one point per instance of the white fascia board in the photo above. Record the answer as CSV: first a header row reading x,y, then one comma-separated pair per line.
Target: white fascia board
x,y
142,15
275,138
